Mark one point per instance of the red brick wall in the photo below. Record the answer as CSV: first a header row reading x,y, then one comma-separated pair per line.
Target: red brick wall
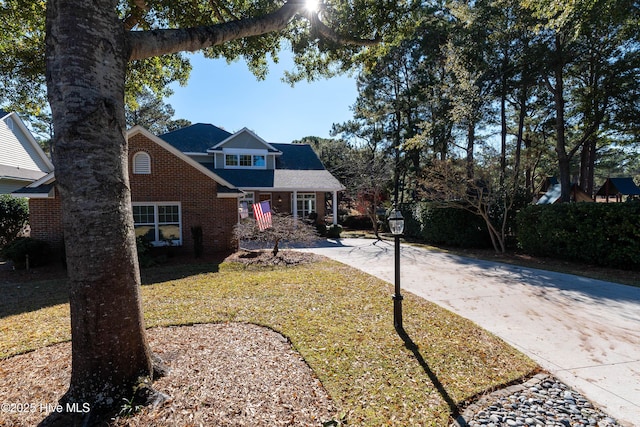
x,y
174,180
45,221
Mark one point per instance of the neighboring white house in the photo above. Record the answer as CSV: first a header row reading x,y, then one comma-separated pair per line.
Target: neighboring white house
x,y
22,161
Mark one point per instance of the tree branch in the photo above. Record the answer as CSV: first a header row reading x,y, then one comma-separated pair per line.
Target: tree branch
x,y
146,44
137,12
331,35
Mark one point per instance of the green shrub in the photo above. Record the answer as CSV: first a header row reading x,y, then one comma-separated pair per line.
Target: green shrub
x,y
198,245
334,231
321,229
595,233
39,252
14,215
358,222
451,226
145,257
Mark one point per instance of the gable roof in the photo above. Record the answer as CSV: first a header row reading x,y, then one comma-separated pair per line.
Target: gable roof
x,y
197,138
19,174
297,168
613,186
221,144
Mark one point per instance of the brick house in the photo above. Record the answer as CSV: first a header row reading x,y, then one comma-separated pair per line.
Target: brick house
x,y
170,193
200,176
290,176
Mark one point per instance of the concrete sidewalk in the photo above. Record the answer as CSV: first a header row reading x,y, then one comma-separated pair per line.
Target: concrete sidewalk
x,y
585,332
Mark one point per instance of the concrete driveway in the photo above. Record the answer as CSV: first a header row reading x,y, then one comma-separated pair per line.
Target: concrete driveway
x,y
586,332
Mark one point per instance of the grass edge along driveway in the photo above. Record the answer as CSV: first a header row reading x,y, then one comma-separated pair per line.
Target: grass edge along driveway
x,y
338,318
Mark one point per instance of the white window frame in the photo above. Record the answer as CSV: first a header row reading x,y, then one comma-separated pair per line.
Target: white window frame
x,y
250,198
238,154
137,166
304,198
156,222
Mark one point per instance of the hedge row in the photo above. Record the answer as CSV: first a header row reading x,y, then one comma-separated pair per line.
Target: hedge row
x,y
439,225
595,233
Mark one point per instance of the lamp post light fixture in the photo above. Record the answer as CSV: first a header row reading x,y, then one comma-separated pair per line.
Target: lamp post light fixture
x,y
396,225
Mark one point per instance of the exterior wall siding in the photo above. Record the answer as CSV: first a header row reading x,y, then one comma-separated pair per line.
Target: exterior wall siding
x,y
15,148
8,186
244,141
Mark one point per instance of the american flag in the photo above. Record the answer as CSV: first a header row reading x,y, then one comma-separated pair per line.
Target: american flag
x,y
262,213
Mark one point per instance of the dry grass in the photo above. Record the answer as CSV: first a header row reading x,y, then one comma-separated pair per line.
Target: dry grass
x,y
339,320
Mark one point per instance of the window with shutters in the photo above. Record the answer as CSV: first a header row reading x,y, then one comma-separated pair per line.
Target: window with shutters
x,y
142,163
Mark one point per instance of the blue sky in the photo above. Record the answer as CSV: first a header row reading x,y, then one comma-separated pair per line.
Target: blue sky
x,y
229,96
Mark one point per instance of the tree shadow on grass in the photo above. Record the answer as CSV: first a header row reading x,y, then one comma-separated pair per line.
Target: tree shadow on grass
x,y
454,409
23,297
24,292
167,273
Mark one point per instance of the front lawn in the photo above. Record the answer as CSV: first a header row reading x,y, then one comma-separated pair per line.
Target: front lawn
x,y
338,318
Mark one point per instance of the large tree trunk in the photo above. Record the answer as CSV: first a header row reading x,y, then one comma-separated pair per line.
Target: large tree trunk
x,y
87,49
86,93
587,165
469,158
561,145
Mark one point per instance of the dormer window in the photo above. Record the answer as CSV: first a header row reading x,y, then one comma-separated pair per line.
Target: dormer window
x,y
245,159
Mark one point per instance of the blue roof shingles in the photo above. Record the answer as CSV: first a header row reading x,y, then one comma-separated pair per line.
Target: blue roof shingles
x,y
614,186
246,179
197,138
297,157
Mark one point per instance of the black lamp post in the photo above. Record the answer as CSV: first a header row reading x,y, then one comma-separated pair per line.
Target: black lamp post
x,y
396,225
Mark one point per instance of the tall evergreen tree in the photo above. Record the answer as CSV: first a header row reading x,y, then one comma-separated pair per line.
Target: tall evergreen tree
x,y
150,112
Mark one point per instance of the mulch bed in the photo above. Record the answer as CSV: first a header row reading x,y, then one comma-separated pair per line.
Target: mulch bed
x,y
219,375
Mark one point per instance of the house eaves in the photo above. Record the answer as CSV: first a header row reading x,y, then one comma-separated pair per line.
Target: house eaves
x,y
20,174
42,188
